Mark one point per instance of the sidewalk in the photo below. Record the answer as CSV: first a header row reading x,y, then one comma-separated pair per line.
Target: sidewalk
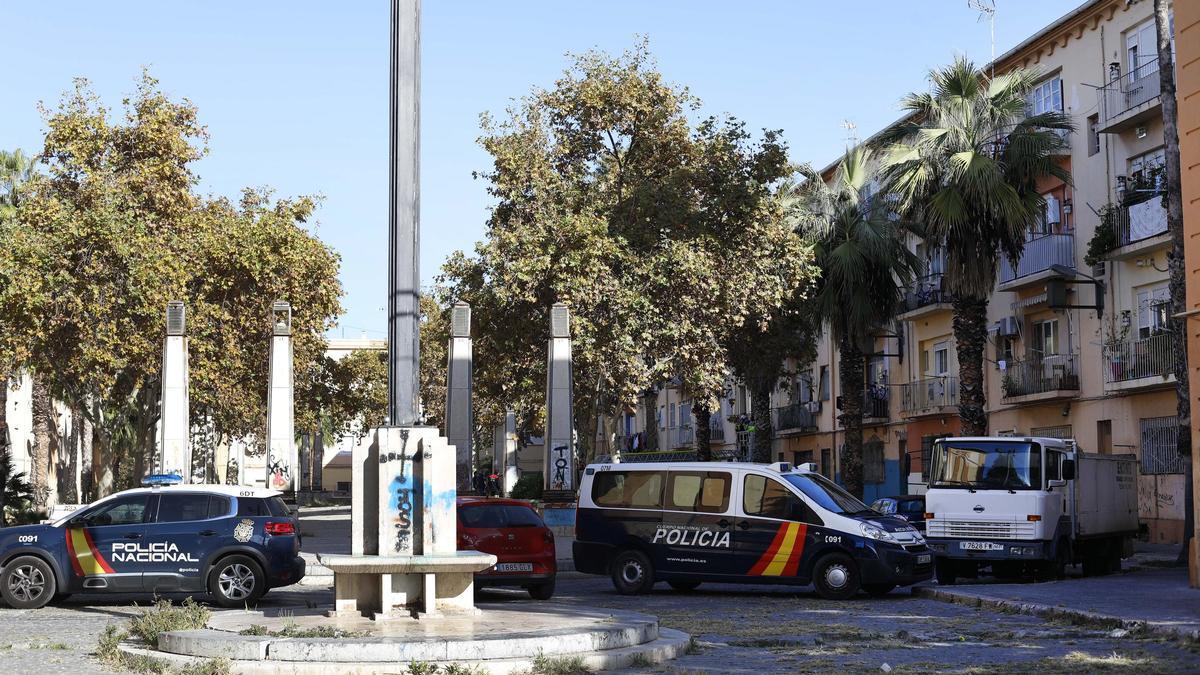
x,y
1155,600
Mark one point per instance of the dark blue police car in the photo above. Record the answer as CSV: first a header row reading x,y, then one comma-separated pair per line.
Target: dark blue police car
x,y
234,543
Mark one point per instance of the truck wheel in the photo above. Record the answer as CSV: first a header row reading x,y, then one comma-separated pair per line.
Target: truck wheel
x,y
27,583
836,577
946,572
632,573
236,581
1052,570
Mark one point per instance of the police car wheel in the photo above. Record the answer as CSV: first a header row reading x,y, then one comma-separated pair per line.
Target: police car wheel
x,y
836,577
236,581
632,573
27,583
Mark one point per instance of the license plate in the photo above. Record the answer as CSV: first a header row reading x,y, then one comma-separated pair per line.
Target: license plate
x,y
924,558
980,546
514,567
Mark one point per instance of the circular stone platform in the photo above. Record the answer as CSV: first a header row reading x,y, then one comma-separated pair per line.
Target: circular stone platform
x,y
503,638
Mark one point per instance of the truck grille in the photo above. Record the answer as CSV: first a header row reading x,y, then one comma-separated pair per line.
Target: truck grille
x,y
979,529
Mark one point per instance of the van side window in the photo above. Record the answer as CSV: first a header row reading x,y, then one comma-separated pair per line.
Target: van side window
x,y
699,491
767,498
628,489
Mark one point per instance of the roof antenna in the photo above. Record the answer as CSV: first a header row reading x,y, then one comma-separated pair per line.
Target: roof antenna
x,y
851,132
987,9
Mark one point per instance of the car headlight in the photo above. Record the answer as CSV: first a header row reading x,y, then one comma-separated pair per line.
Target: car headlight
x,y
876,533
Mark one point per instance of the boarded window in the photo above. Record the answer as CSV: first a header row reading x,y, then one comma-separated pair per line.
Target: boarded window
x,y
1159,451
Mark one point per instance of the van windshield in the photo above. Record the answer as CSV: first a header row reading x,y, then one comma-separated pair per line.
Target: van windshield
x,y
827,494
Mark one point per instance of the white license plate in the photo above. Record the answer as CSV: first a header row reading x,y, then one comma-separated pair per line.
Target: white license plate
x,y
924,558
980,546
514,567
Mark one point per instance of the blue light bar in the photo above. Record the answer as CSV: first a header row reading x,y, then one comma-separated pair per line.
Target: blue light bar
x,y
159,480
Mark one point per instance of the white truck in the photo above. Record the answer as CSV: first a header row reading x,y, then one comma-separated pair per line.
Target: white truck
x,y
1028,505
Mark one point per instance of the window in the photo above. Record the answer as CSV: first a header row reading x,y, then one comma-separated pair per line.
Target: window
x,y
1059,431
218,506
1141,50
802,457
1005,349
1153,307
343,486
804,386
1045,338
826,493
703,492
824,383
1104,437
768,498
175,508
1160,453
685,414
1054,460
124,511
1142,167
671,416
628,489
252,507
941,358
872,460
827,462
1093,134
1046,97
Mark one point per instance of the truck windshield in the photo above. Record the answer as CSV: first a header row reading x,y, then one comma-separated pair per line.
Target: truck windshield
x,y
986,465
826,493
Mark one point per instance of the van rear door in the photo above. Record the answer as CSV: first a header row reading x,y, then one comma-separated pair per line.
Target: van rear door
x,y
696,535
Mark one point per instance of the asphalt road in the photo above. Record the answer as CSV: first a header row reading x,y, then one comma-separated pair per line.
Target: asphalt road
x,y
741,629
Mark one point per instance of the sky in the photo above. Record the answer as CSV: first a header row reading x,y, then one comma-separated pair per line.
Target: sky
x,y
294,92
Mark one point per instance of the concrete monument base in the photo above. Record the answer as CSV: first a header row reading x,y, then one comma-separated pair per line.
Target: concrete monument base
x,y
380,586
506,638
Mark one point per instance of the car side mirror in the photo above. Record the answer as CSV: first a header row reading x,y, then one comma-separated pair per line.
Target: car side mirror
x,y
1068,469
77,521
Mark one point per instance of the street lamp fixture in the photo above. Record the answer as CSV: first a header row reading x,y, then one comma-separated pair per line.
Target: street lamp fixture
x,y
281,318
1056,289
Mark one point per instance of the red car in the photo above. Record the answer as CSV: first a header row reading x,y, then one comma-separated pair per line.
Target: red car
x,y
511,530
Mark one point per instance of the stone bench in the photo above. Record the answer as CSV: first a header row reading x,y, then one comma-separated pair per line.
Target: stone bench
x,y
380,584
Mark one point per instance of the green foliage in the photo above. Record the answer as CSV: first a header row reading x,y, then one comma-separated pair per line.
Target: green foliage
x,y
528,486
559,665
1104,240
164,616
663,237
113,231
294,631
16,494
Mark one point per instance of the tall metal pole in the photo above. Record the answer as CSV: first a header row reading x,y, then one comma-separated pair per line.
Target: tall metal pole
x,y
404,213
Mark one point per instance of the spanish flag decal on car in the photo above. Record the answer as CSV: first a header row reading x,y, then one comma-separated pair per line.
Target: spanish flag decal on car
x,y
783,556
85,559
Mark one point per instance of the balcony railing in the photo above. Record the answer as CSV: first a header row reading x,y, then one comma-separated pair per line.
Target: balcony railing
x,y
678,437
1138,86
1149,357
796,416
1039,255
716,429
934,392
1140,221
924,292
1052,372
875,401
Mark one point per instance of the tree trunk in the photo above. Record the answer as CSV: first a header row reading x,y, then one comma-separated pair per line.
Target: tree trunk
x,y
103,462
760,439
318,461
1175,261
44,428
650,401
970,336
702,418
853,384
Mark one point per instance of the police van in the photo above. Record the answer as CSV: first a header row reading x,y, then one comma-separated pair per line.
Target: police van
x,y
234,543
688,523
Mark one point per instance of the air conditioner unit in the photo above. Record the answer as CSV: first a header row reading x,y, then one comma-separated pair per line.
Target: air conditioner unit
x,y
1099,269
1008,326
813,406
1053,211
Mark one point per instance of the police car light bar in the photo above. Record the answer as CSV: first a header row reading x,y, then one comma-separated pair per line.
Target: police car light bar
x,y
807,467
159,480
782,467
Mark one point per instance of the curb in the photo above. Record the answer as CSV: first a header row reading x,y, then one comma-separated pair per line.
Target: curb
x,y
326,580
1076,616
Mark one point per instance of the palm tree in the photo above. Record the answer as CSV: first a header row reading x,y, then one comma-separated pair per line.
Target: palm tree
x,y
859,246
966,164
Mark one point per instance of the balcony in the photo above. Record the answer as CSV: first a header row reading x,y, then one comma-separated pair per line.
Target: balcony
x,y
924,296
875,402
1141,363
796,418
716,430
1040,378
1139,228
1040,254
1130,99
932,396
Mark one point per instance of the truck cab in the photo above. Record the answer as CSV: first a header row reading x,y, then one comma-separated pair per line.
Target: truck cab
x,y
1020,505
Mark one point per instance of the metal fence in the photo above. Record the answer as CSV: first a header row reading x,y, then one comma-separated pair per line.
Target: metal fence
x,y
795,416
1052,372
1160,454
1148,357
1132,89
933,392
924,292
875,401
1039,255
1140,221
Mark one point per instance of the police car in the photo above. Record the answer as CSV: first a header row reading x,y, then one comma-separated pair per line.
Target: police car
x,y
234,543
688,523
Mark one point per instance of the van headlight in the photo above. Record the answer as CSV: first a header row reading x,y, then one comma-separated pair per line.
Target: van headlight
x,y
876,533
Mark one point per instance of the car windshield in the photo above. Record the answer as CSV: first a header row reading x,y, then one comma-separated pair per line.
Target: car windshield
x,y
498,515
986,465
826,493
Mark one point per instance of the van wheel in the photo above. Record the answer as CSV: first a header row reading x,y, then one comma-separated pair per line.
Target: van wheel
x,y
632,573
685,586
28,583
946,572
836,577
236,581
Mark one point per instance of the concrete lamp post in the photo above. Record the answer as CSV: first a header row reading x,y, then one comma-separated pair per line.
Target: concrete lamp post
x,y
282,462
174,446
